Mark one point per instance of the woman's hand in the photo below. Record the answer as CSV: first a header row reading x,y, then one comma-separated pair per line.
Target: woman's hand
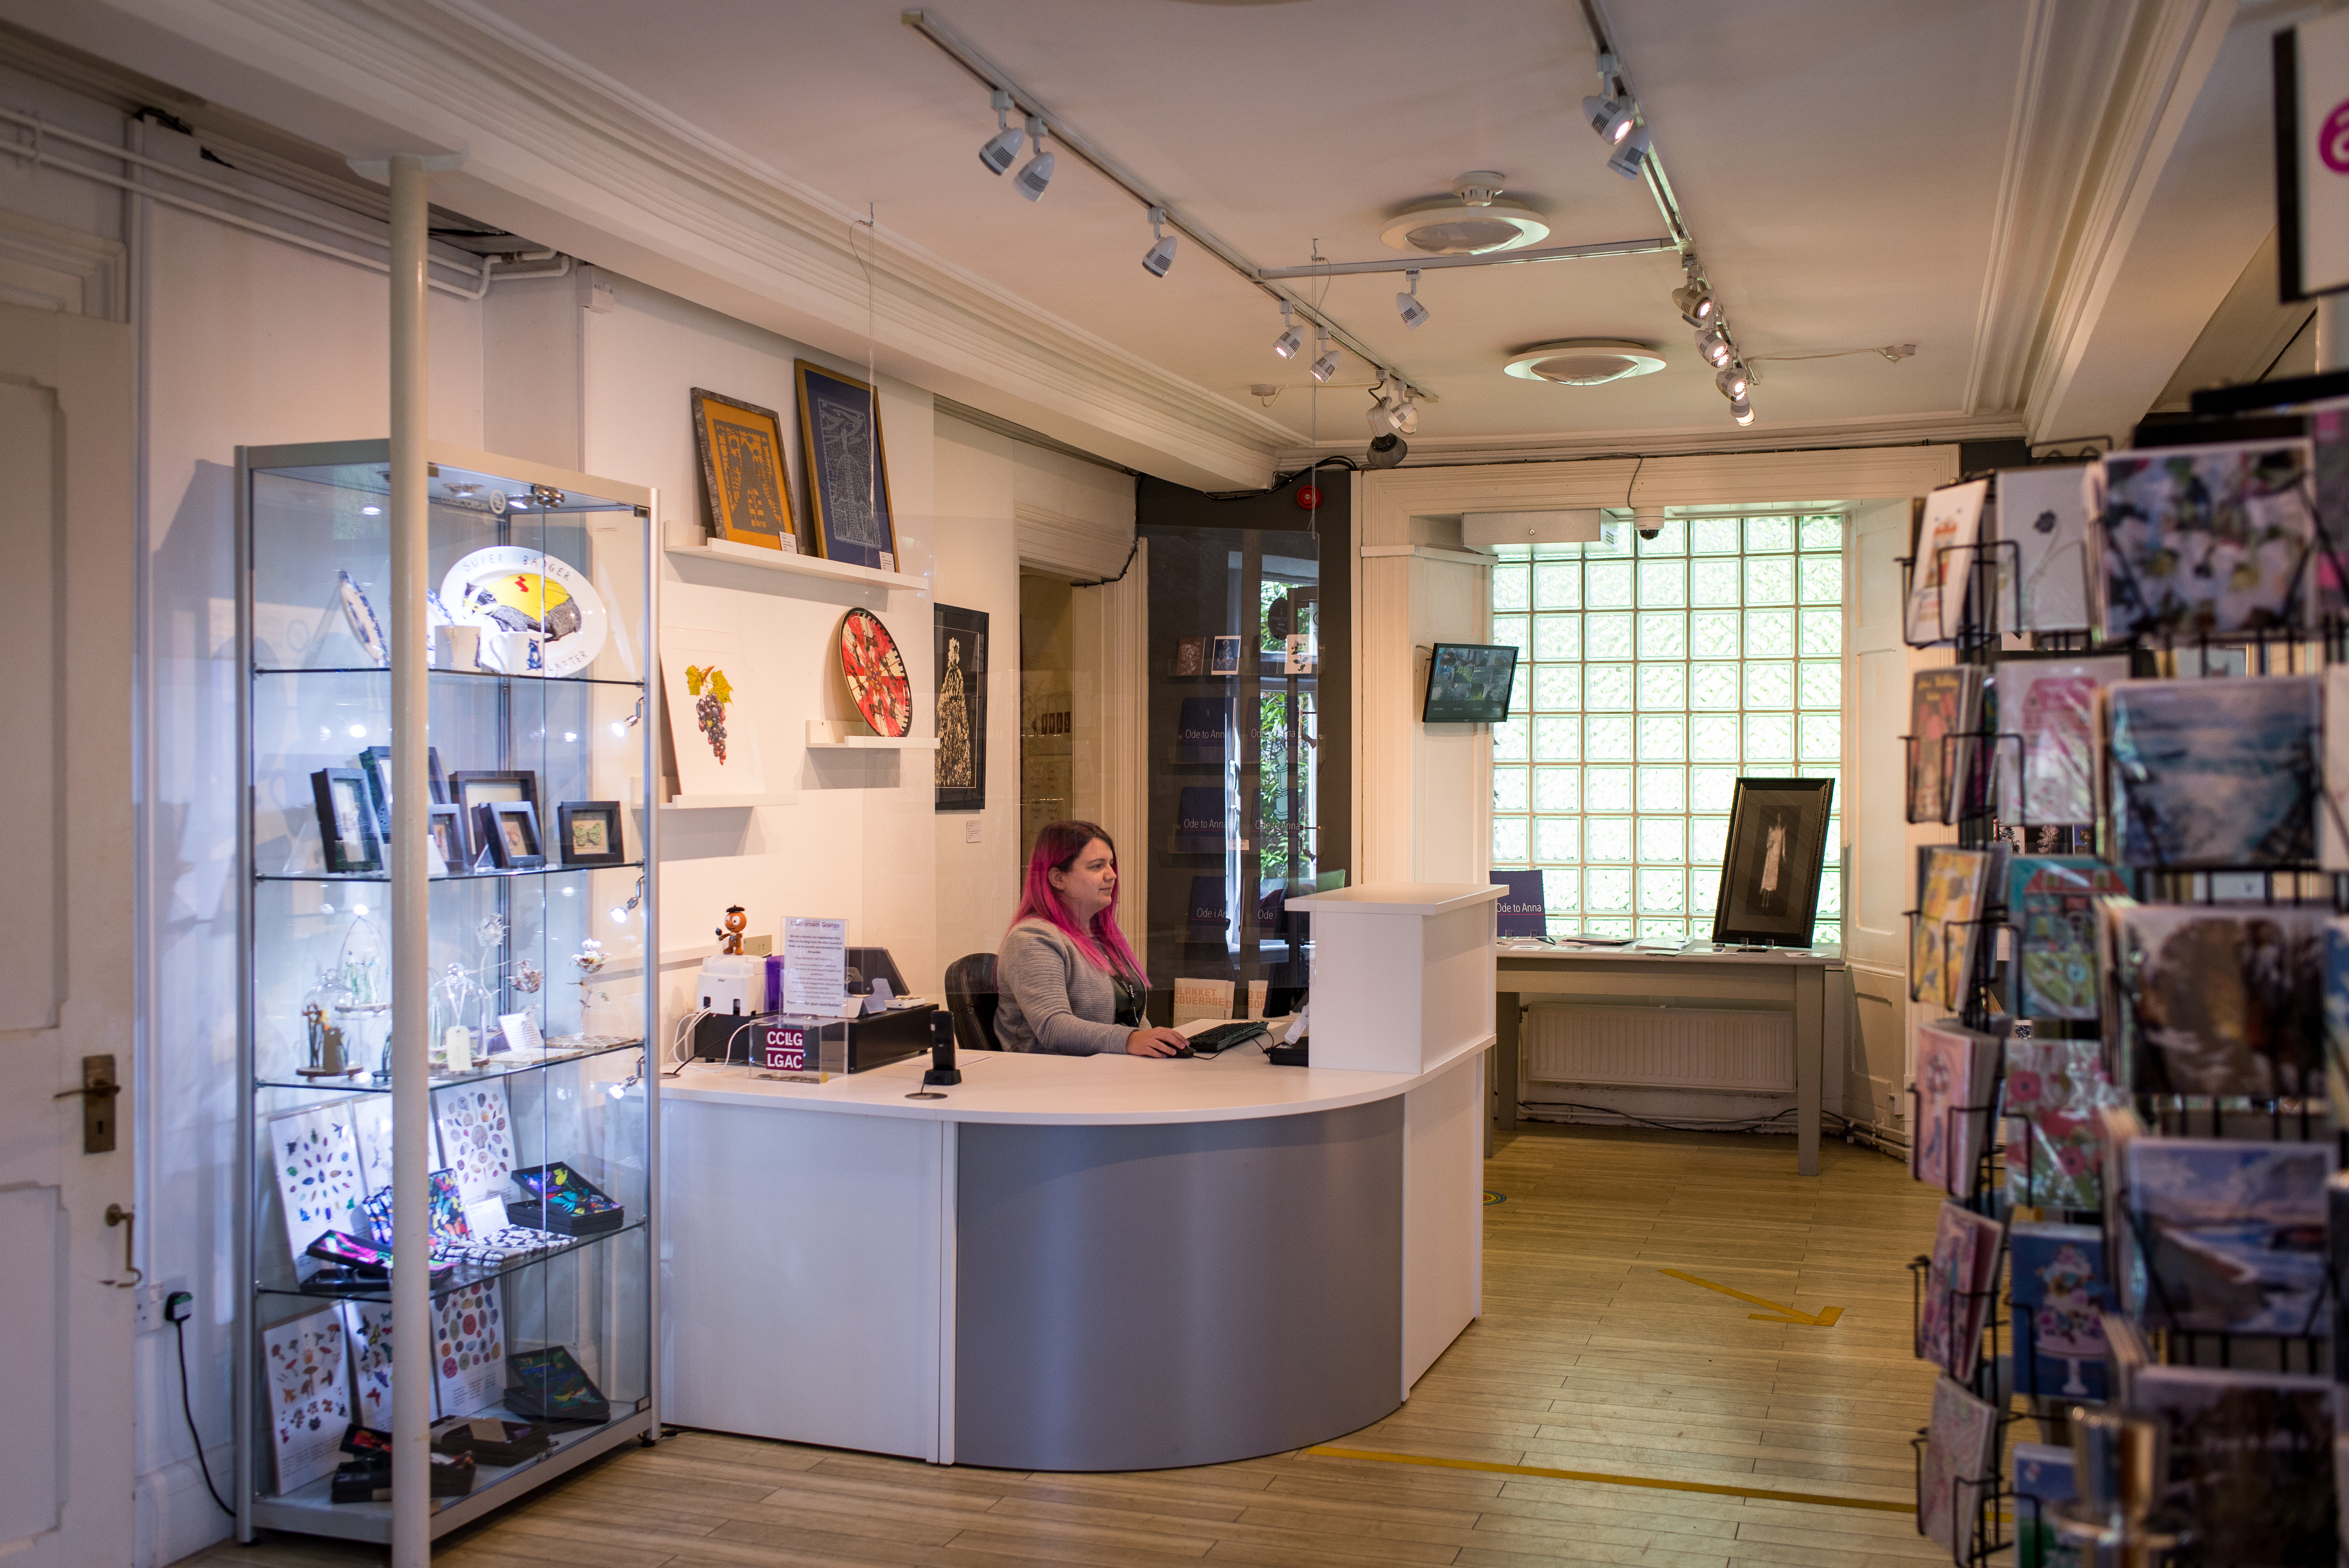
x,y
1155,1042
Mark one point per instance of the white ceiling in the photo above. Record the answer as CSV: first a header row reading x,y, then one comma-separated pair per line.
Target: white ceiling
x,y
1839,165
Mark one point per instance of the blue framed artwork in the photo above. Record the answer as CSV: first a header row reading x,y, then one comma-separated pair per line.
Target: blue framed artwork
x,y
847,469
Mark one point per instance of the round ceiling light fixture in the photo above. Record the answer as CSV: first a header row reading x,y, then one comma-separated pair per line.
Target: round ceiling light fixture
x,y
1586,361
1471,221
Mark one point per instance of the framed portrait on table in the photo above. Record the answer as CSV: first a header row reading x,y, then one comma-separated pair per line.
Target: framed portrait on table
x,y
448,830
961,665
1777,849
346,820
744,498
510,828
847,469
588,832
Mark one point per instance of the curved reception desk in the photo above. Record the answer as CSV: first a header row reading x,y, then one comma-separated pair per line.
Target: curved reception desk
x,y
1072,1263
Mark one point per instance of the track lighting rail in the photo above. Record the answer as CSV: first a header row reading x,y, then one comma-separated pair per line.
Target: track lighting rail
x,y
1078,145
1489,259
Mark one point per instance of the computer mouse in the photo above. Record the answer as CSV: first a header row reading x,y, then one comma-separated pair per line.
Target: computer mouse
x,y
1185,1051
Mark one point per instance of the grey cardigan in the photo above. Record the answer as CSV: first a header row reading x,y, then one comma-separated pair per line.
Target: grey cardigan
x,y
1051,997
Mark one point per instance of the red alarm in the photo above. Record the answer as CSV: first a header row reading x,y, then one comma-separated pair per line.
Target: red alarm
x,y
1309,497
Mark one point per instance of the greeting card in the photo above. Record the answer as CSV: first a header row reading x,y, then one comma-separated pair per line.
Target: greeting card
x,y
2251,1461
2224,1236
2193,540
1957,1453
1945,563
2055,1144
1950,885
1944,707
2332,818
2212,1000
477,1137
371,1126
2042,1478
470,1350
2212,774
2048,771
306,1363
318,1166
2042,512
2050,901
1956,1068
2059,1290
368,1325
1960,1285
2337,1020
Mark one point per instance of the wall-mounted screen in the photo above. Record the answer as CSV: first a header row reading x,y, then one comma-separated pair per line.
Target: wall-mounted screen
x,y
1468,683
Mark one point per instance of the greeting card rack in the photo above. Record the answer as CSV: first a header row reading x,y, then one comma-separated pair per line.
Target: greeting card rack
x,y
540,723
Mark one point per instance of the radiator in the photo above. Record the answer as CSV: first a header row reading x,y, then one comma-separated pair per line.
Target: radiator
x,y
1660,1047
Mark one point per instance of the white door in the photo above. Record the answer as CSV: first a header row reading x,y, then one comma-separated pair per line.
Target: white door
x,y
68,604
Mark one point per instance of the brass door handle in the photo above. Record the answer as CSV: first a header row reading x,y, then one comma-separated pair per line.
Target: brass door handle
x,y
116,1214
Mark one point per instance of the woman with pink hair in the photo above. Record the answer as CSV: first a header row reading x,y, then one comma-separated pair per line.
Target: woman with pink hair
x,y
1066,980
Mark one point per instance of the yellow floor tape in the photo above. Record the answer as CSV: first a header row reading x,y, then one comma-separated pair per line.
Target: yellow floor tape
x,y
1602,1479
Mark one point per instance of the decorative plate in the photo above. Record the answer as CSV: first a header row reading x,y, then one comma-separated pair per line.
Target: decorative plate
x,y
876,673
513,588
360,616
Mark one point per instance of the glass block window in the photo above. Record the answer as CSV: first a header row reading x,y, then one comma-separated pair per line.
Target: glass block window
x,y
1651,674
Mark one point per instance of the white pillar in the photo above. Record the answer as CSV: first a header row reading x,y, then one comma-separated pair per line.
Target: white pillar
x,y
411,1107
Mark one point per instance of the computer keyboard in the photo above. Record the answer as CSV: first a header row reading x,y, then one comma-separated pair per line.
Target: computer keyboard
x,y
1224,1036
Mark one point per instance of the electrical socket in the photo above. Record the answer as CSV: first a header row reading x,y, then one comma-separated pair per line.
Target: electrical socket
x,y
147,1299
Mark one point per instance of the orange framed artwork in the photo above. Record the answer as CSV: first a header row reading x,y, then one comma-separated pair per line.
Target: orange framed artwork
x,y
745,500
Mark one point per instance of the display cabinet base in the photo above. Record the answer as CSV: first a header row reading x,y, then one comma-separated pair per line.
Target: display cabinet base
x,y
372,1521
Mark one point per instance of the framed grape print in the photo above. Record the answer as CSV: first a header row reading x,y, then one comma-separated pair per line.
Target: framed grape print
x,y
744,498
847,469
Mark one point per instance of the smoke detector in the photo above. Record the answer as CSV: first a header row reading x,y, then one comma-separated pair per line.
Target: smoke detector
x,y
1472,221
1586,361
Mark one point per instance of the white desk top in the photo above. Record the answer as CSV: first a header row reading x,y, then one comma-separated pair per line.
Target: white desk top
x,y
1830,957
1036,1089
1401,898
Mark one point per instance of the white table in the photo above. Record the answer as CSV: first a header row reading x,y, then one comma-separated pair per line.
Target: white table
x,y
1779,979
1068,1263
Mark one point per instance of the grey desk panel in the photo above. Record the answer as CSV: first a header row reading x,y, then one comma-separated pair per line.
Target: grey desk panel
x,y
1150,1297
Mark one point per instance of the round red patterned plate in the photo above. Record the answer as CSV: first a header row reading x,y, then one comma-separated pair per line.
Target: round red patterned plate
x,y
876,673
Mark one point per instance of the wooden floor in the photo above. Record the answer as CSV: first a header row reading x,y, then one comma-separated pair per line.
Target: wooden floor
x,y
1587,1358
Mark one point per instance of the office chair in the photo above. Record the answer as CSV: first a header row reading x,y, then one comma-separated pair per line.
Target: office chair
x,y
970,1001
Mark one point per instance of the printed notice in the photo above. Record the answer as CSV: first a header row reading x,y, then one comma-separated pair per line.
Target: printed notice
x,y
815,965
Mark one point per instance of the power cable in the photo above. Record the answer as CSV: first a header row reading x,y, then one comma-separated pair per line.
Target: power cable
x,y
180,1329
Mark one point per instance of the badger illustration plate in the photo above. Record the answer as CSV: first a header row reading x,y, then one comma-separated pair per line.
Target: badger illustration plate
x,y
513,588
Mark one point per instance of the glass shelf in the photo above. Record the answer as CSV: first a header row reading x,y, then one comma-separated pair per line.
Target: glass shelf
x,y
445,876
488,1479
364,1083
448,675
465,1274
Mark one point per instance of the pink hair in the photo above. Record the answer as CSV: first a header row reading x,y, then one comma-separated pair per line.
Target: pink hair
x,y
1057,845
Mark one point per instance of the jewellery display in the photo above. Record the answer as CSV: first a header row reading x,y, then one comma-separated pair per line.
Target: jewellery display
x,y
539,587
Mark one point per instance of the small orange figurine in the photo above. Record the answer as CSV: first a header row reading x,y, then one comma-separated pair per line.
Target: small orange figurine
x,y
729,937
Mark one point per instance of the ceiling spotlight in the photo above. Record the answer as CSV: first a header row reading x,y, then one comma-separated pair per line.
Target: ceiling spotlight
x,y
1696,303
1004,145
1714,344
1629,154
1732,382
1407,303
1289,341
1036,172
1327,366
1160,256
1740,410
1611,117
1405,417
1386,451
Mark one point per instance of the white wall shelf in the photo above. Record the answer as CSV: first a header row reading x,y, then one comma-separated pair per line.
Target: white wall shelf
x,y
684,538
832,735
723,802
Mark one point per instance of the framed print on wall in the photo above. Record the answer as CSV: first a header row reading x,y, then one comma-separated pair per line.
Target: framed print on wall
x,y
1778,847
744,498
960,641
847,469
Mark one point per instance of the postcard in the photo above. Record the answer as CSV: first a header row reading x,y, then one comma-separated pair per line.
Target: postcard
x,y
2196,541
2220,1001
2042,512
2212,775
2052,902
2047,770
2059,1290
1944,707
2225,1236
2251,1461
2054,1145
1945,561
1957,1068
1950,886
1958,1455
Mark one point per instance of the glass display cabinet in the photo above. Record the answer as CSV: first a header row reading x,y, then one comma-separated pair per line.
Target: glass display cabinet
x,y
540,1182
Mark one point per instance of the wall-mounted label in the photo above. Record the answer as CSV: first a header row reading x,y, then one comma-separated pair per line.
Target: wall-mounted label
x,y
782,1048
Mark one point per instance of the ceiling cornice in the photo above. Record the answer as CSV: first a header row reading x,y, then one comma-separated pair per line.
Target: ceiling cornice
x,y
1845,433
565,156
